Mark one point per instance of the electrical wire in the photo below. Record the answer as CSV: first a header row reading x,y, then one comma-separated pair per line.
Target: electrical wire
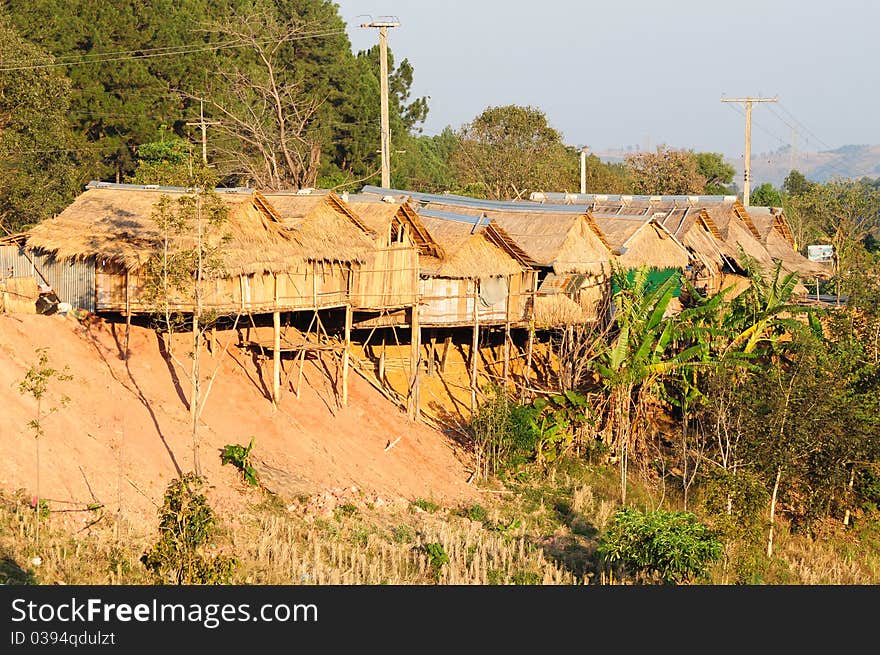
x,y
171,51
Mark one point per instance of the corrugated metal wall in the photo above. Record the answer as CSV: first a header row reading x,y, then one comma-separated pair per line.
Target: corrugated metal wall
x,y
74,282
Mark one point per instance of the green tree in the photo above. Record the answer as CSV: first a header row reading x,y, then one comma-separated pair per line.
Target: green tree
x,y
766,195
166,162
842,213
795,184
674,547
667,171
187,524
36,385
718,173
40,171
509,151
180,271
602,177
358,138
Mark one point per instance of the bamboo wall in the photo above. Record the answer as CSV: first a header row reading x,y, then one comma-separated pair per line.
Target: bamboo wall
x,y
450,301
312,285
389,279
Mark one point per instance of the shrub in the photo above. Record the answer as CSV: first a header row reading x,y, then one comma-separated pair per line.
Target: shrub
x,y
186,525
240,457
673,546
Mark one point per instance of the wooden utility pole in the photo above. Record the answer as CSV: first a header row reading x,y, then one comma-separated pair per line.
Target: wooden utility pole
x,y
203,125
583,170
383,25
747,156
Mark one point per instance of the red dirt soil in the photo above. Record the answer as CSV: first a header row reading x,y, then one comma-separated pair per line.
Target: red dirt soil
x,y
126,430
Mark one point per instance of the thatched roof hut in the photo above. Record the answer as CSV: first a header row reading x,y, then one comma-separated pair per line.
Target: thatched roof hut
x,y
388,220
117,223
563,242
642,241
481,274
326,226
469,249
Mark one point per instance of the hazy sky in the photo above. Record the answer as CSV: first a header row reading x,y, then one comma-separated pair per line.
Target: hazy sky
x,y
636,72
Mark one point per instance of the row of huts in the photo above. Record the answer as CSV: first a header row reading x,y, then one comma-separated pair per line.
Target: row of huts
x,y
389,257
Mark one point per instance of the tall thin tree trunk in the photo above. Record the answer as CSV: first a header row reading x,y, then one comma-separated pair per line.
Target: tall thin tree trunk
x,y
773,511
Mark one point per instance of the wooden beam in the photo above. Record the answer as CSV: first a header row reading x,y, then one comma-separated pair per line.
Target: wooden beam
x,y
346,355
447,342
128,314
507,333
382,360
276,357
415,364
432,350
475,344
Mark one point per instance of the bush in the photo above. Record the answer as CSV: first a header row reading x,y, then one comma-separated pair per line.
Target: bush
x,y
186,525
240,457
672,546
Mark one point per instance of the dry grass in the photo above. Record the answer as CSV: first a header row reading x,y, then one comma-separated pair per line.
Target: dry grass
x,y
542,528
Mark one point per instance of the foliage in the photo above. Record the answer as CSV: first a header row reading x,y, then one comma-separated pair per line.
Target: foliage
x,y
718,173
186,526
674,546
36,384
437,556
667,171
167,162
554,421
425,505
510,151
240,457
40,171
766,195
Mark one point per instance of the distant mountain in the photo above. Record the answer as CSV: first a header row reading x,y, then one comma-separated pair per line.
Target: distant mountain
x,y
850,161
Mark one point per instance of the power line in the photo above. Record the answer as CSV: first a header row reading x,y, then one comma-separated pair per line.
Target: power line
x,y
171,51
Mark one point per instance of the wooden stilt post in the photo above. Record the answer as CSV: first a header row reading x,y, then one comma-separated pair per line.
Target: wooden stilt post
x,y
127,313
382,360
346,355
415,363
507,333
432,349
447,342
276,357
528,371
475,343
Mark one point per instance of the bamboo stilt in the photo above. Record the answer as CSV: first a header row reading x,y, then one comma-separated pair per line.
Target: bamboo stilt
x,y
276,357
346,355
382,361
127,314
432,349
475,343
447,342
415,363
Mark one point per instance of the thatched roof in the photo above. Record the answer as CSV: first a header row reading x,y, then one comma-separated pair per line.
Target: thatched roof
x,y
771,218
378,215
566,242
641,241
116,223
327,226
469,252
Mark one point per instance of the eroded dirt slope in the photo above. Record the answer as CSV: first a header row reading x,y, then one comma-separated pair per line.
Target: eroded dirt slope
x,y
125,432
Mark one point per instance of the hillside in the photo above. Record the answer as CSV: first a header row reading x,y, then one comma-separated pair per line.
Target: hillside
x,y
125,432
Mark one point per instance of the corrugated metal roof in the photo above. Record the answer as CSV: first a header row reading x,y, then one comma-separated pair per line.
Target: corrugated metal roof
x,y
557,197
95,184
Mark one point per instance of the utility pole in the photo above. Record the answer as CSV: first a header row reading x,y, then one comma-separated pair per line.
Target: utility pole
x,y
383,24
203,124
584,169
747,156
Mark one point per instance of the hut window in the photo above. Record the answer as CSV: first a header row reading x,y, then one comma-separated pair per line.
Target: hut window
x,y
397,232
